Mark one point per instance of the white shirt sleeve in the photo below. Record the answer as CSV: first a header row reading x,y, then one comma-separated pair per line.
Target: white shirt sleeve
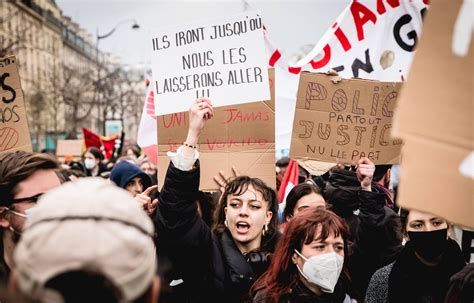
x,y
180,161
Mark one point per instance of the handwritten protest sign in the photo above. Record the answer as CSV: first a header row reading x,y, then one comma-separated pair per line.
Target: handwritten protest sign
x,y
223,60
434,117
239,135
14,133
344,121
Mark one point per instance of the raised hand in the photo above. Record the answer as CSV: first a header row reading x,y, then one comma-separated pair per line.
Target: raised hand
x,y
145,201
222,179
199,113
365,173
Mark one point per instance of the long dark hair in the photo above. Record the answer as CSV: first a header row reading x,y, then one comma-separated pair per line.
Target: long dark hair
x,y
282,275
237,187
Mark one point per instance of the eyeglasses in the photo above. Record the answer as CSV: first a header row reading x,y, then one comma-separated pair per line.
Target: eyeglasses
x,y
32,199
25,215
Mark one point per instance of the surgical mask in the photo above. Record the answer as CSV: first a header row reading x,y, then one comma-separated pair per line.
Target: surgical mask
x,y
89,163
430,245
322,270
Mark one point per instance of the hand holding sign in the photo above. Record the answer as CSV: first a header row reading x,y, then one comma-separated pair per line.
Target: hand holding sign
x,y
365,173
199,113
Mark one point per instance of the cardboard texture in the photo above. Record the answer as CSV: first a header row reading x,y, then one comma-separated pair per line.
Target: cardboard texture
x,y
316,168
14,132
242,136
69,148
344,120
434,118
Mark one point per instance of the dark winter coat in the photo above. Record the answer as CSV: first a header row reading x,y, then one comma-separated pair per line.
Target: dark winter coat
x,y
102,169
375,228
408,280
301,294
210,265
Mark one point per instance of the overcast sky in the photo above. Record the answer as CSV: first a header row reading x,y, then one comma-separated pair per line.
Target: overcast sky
x,y
291,24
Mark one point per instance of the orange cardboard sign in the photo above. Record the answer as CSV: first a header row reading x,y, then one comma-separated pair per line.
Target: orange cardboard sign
x,y
344,120
434,118
14,132
241,135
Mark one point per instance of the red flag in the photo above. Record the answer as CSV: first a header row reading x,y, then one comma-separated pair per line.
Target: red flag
x,y
91,139
290,179
105,144
108,144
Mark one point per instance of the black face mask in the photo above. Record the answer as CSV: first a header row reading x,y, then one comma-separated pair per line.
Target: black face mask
x,y
430,245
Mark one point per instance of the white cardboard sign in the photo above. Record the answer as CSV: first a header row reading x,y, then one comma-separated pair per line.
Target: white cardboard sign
x,y
223,60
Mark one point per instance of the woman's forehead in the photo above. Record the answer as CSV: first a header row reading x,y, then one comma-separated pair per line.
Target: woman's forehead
x,y
331,233
250,193
416,215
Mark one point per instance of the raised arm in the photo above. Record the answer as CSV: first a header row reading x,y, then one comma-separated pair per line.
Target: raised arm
x,y
377,241
177,210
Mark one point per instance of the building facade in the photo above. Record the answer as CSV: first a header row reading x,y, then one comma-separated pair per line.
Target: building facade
x,y
53,53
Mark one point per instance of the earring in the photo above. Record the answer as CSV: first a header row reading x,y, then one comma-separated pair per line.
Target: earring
x,y
264,230
225,223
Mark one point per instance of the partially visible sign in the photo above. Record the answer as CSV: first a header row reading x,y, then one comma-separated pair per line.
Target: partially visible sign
x,y
371,40
14,132
434,117
69,149
223,60
344,120
113,127
242,136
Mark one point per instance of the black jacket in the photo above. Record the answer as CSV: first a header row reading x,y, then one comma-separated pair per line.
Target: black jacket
x,y
210,265
409,280
301,294
375,229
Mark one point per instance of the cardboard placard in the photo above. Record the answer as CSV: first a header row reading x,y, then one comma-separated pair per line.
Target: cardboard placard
x,y
14,132
223,60
434,118
344,120
242,136
69,148
316,168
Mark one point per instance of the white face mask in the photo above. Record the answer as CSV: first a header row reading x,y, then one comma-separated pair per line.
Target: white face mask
x,y
89,163
322,270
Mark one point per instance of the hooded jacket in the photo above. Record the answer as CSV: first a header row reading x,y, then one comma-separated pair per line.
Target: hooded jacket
x,y
124,172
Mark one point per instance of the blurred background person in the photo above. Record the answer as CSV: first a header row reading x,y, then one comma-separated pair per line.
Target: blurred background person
x,y
93,162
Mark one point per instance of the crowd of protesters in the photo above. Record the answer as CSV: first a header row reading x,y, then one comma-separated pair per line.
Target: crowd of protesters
x,y
91,231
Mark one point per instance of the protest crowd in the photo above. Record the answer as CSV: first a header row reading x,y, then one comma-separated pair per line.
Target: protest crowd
x,y
341,237
202,219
